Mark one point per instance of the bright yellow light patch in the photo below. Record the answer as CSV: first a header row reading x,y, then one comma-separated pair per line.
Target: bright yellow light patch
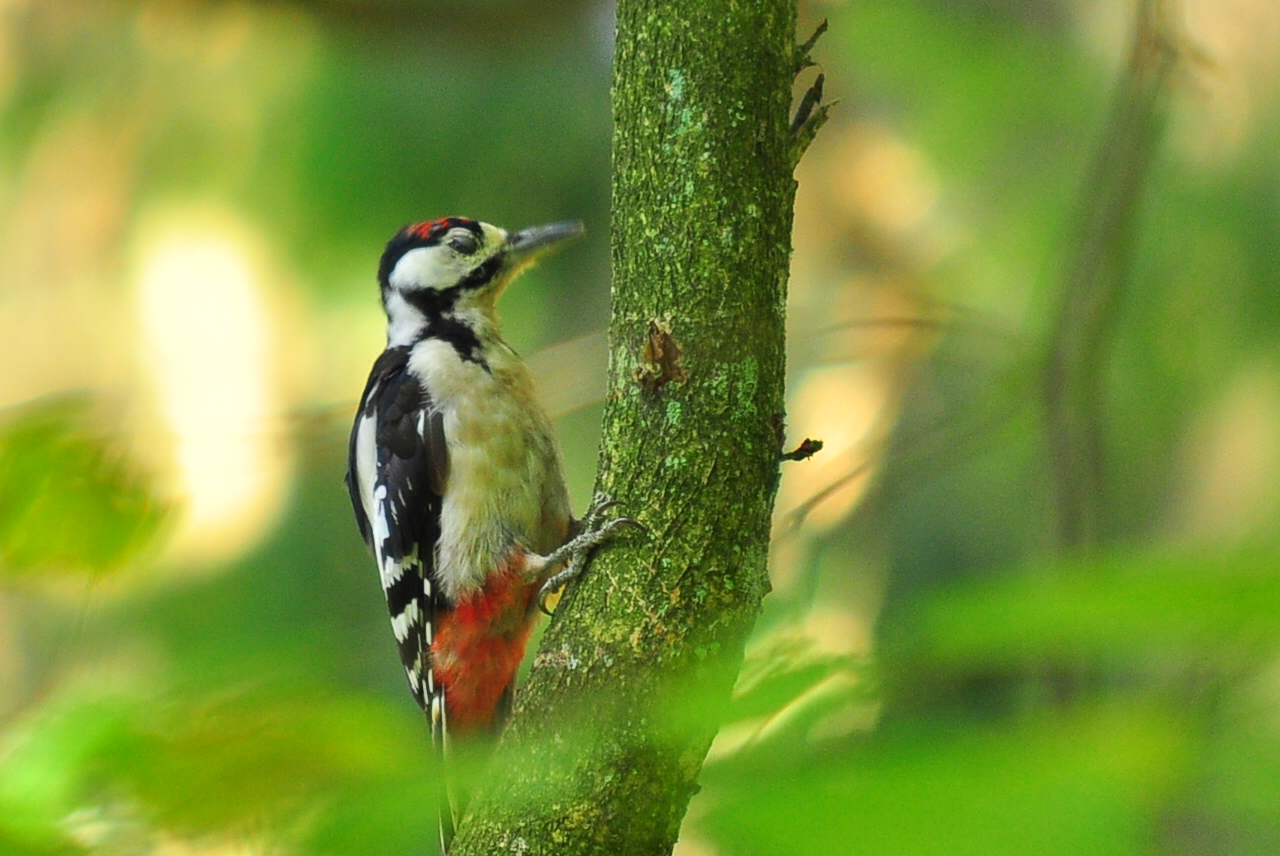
x,y
845,406
209,350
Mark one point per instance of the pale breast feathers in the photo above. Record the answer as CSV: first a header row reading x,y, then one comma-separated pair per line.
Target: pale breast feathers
x,y
505,486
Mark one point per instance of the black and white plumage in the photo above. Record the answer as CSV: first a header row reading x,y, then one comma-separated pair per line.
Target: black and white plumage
x,y
399,461
454,473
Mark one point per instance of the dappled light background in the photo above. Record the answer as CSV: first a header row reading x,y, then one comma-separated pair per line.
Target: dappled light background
x,y
194,657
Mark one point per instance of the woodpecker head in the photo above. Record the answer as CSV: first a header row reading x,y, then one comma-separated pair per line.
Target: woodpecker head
x,y
455,267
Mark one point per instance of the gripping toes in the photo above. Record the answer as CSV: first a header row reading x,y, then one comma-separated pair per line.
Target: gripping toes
x,y
596,530
600,503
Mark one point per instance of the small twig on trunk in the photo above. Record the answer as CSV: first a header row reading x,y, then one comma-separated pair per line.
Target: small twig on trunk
x,y
806,450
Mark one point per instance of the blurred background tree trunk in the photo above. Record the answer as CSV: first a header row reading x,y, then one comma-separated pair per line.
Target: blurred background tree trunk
x,y
619,711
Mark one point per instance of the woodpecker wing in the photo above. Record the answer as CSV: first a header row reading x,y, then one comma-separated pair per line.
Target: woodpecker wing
x,y
398,466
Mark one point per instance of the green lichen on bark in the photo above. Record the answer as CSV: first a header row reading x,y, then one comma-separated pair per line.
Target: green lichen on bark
x,y
613,724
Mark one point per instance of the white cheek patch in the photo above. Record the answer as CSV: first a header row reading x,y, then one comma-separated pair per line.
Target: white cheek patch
x,y
427,267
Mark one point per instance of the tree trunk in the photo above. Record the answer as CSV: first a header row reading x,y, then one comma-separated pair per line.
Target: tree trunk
x,y
613,724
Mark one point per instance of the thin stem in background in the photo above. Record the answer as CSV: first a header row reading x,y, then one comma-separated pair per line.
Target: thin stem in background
x,y
1096,272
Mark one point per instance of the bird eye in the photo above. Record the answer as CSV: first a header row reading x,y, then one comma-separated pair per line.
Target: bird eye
x,y
464,243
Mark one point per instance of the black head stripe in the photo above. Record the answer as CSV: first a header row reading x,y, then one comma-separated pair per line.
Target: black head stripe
x,y
482,275
437,305
425,234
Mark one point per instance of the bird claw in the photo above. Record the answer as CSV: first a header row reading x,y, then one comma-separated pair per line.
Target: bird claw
x,y
627,521
551,586
595,531
600,503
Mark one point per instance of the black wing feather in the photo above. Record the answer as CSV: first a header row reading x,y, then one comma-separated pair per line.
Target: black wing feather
x,y
412,471
410,477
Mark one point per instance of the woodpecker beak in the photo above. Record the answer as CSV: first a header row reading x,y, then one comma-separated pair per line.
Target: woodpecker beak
x,y
527,243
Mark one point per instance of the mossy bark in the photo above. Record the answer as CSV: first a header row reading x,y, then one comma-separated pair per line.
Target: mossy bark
x,y
613,724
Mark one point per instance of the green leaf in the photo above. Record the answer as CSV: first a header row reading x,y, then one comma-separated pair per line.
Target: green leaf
x,y
69,500
234,763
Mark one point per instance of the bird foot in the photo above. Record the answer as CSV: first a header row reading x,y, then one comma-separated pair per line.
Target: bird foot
x,y
572,558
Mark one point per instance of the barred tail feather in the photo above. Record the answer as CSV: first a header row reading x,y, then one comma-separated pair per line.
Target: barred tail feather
x,y
413,639
444,812
450,799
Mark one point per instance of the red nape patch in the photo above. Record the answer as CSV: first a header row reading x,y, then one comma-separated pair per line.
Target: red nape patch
x,y
478,647
431,228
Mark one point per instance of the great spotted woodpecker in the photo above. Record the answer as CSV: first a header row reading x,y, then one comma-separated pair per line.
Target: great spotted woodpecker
x,y
455,476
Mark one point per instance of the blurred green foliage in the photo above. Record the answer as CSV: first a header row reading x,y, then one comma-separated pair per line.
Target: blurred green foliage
x,y
68,500
1123,703
104,768
1086,783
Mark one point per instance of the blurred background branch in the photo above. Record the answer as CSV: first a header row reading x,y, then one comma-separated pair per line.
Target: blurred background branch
x,y
1099,259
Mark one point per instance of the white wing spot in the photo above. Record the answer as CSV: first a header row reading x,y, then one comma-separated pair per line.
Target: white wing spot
x,y
381,530
404,622
393,570
366,461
